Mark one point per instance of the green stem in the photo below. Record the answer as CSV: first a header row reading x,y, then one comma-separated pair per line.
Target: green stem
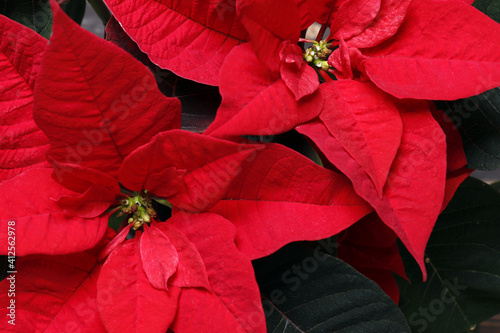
x,y
101,9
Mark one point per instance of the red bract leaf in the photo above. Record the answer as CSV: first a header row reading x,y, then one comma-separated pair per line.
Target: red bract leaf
x,y
269,23
454,147
414,190
352,17
298,76
159,257
257,101
95,201
368,128
79,179
370,247
305,17
386,24
41,224
453,181
191,270
53,294
455,57
233,303
281,196
96,124
321,10
197,34
126,299
201,168
115,242
23,144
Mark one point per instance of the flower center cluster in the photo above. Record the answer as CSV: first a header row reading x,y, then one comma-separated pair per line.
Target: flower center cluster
x,y
139,208
318,54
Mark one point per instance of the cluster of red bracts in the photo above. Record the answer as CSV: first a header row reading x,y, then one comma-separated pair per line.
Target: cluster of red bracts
x,y
84,122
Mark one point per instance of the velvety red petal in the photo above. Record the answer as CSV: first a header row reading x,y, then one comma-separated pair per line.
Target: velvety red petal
x,y
386,24
269,23
92,203
53,294
298,76
458,56
201,168
353,17
233,303
191,270
322,10
41,225
197,34
414,191
370,247
257,101
281,196
126,300
366,123
23,144
79,179
94,101
159,256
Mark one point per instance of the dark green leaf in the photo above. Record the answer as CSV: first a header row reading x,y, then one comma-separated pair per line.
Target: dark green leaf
x,y
489,7
463,264
478,120
75,9
306,290
34,14
496,186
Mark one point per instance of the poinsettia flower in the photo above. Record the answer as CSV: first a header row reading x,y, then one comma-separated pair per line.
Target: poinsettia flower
x,y
275,88
111,157
456,57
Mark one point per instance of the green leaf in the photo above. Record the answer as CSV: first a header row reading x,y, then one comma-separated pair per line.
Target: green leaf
x,y
306,290
489,7
75,9
463,264
34,14
478,120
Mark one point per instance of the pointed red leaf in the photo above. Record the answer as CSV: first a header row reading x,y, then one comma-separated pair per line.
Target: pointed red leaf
x,y
90,204
270,23
115,242
41,225
370,247
257,101
353,17
191,270
89,121
233,303
159,257
23,144
200,168
454,147
414,190
455,57
79,179
298,76
281,196
368,128
386,24
53,294
321,10
197,34
126,299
